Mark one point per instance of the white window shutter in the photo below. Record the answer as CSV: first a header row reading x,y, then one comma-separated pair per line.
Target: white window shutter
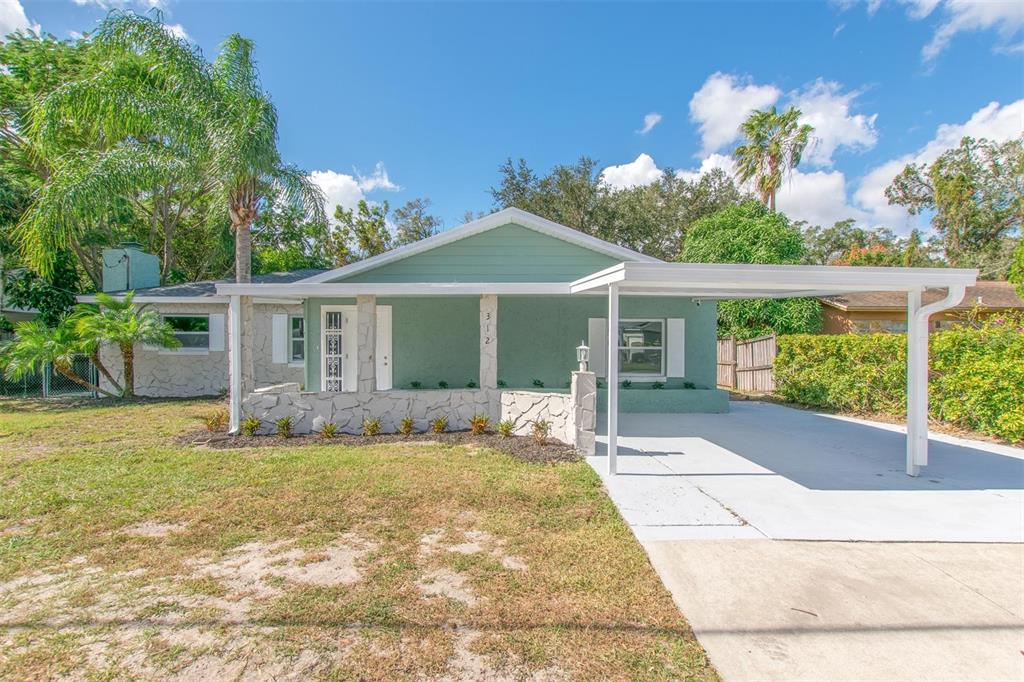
x,y
383,352
279,339
597,333
216,325
676,347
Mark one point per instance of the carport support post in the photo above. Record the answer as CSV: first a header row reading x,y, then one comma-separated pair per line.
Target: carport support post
x,y
917,385
613,375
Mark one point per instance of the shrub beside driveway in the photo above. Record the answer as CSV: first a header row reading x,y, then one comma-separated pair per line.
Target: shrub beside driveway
x,y
125,553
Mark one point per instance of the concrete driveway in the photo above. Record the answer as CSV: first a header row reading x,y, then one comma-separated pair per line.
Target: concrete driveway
x,y
727,506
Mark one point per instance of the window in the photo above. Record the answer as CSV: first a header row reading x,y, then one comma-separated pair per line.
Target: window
x,y
641,348
297,338
192,330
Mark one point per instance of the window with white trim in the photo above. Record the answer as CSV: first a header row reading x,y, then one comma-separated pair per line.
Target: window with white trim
x,y
297,338
193,331
642,348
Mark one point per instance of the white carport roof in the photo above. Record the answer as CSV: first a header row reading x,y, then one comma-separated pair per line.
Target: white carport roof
x,y
721,280
728,281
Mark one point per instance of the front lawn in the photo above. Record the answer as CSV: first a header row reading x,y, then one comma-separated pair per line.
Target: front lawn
x,y
125,554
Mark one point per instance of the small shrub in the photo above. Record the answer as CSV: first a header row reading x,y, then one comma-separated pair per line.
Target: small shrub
x,y
479,423
471,384
329,430
657,385
537,383
626,383
439,425
285,427
442,384
249,426
405,427
217,420
502,383
371,427
506,428
541,430
689,385
415,384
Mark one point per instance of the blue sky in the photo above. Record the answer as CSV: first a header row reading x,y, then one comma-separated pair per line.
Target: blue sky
x,y
390,101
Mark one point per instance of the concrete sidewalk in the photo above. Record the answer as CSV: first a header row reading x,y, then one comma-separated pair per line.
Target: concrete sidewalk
x,y
784,610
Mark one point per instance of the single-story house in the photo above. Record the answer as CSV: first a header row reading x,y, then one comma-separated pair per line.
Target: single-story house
x,y
886,311
499,316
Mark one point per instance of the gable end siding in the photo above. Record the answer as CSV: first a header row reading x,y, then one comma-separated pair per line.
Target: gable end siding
x,y
510,253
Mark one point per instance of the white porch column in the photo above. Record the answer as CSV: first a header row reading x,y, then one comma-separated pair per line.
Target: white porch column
x,y
612,373
366,338
234,364
488,341
917,378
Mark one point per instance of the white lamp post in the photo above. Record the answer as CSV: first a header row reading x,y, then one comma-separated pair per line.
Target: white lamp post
x,y
583,356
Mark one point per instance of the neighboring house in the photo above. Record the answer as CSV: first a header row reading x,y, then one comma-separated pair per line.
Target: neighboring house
x,y
440,307
862,313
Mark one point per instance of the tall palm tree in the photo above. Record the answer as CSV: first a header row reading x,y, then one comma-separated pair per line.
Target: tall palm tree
x,y
36,345
121,323
774,147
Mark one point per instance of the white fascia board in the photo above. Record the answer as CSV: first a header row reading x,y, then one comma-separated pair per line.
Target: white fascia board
x,y
760,279
306,290
91,298
489,222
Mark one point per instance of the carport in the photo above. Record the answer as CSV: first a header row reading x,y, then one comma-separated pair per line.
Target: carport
x,y
739,281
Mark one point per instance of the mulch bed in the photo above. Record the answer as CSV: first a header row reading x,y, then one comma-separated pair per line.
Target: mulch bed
x,y
525,448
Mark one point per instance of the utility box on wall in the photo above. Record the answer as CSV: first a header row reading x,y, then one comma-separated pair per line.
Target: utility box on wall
x,y
129,267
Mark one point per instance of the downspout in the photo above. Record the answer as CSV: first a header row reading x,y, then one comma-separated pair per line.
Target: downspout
x,y
917,372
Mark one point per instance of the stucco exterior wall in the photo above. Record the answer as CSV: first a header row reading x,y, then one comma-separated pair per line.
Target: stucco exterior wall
x,y
182,374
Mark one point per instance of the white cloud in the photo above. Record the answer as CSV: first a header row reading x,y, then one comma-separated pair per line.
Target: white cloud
x,y
113,4
12,18
178,31
826,107
348,190
819,197
722,104
641,171
1006,16
650,120
707,165
378,179
993,121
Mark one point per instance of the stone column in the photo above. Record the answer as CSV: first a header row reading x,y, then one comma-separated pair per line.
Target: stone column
x,y
584,411
488,341
366,340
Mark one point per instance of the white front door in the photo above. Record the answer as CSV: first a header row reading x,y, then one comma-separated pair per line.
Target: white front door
x,y
383,354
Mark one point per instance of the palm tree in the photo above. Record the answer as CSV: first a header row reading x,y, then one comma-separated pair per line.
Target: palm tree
x,y
37,345
775,144
119,322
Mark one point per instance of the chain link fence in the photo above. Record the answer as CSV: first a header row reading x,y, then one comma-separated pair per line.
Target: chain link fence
x,y
49,383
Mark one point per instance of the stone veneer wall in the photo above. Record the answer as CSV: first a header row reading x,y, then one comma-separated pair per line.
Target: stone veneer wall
x,y
523,408
571,415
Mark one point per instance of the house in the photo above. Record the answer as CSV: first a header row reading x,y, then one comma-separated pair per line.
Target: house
x,y
481,306
886,311
487,318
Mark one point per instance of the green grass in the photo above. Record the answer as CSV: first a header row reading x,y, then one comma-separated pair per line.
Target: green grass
x,y
74,479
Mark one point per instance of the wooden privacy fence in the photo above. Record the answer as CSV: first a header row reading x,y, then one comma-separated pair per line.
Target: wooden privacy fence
x,y
747,365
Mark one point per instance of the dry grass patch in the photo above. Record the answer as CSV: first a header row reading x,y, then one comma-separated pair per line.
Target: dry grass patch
x,y
125,554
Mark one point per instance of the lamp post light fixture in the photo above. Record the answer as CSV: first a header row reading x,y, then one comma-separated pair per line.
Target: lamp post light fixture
x,y
583,356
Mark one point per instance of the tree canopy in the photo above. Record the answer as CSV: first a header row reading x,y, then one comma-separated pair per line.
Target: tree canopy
x,y
752,233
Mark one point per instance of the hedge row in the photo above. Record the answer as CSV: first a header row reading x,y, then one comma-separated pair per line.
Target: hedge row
x,y
976,374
